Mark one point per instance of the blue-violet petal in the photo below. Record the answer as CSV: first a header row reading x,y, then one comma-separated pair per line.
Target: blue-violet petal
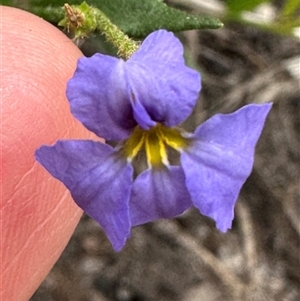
x,y
98,180
160,81
98,96
220,159
158,193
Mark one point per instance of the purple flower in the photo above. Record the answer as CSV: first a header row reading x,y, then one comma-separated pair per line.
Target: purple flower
x,y
138,103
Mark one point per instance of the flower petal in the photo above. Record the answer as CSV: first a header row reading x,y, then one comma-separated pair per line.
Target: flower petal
x,y
160,81
158,194
220,159
98,180
98,97
110,96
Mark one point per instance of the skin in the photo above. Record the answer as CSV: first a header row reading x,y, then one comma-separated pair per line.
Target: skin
x,y
38,215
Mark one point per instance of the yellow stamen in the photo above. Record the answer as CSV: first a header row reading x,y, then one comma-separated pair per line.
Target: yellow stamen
x,y
173,137
134,143
155,149
154,141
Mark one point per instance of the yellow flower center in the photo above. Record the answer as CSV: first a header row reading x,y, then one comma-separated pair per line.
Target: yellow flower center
x,y
154,142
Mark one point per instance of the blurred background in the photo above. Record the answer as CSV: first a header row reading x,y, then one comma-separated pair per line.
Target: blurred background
x,y
254,58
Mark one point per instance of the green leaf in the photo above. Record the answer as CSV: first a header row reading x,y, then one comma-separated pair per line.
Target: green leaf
x,y
237,6
137,18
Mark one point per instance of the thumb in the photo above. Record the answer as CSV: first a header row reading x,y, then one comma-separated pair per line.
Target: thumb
x,y
38,214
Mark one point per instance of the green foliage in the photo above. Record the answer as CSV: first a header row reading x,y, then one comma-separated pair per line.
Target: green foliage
x,y
284,23
137,18
291,7
237,6
6,2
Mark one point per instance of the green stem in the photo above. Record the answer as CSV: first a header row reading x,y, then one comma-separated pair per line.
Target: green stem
x,y
126,46
83,19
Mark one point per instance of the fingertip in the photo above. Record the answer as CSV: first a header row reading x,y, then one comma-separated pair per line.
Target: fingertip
x,y
38,213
